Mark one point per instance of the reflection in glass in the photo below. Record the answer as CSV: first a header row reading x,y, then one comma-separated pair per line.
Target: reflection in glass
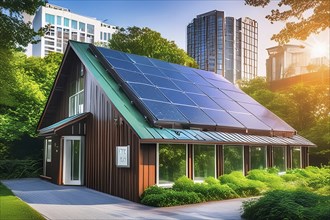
x,y
233,158
279,158
172,162
204,161
75,159
296,157
258,157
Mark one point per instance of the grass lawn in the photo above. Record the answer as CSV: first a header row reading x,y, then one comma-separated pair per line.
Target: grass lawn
x,y
12,207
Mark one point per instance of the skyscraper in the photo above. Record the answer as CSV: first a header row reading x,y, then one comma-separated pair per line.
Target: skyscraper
x,y
63,25
224,45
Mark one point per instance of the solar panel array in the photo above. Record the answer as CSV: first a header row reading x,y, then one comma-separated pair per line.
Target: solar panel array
x,y
171,93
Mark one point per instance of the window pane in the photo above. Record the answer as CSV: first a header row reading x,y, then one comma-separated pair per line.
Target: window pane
x,y
90,28
66,22
172,162
296,157
233,158
204,161
279,158
74,24
50,19
48,150
81,26
258,157
59,20
75,159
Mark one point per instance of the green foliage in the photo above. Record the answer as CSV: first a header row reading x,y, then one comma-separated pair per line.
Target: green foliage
x,y
30,81
169,198
241,185
146,42
306,108
293,205
302,26
269,177
11,169
14,33
13,208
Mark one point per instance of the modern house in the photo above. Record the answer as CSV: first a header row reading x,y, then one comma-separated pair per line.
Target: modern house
x,y
119,122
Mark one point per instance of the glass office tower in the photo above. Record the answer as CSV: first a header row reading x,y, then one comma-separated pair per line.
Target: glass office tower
x,y
224,45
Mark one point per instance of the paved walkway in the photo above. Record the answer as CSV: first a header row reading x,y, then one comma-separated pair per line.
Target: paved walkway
x,y
77,202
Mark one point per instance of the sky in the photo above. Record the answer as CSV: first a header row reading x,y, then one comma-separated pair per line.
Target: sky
x,y
171,17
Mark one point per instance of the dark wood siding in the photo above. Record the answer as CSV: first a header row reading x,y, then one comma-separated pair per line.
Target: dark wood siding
x,y
106,129
147,172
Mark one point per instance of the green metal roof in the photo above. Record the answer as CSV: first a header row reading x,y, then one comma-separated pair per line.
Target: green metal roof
x,y
148,133
63,123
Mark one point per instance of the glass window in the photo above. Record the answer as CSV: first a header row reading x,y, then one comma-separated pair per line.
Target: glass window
x,y
48,150
77,99
104,36
258,157
101,35
279,158
204,161
50,19
233,158
172,162
109,36
82,26
74,24
59,20
66,22
296,157
90,29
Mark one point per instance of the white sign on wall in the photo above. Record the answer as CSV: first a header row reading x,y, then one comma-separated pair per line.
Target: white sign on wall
x,y
122,156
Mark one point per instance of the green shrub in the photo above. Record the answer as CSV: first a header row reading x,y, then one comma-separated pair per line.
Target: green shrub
x,y
293,205
11,169
183,184
170,198
211,181
241,185
153,190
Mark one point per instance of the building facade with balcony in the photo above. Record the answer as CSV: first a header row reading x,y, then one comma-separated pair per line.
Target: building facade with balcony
x,y
63,25
224,45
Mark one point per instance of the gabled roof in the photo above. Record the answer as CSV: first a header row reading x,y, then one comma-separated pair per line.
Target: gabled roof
x,y
149,133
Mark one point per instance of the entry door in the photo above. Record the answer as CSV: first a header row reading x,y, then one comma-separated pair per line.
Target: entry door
x,y
73,160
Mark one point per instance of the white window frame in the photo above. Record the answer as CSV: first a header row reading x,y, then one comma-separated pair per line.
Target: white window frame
x,y
167,185
223,156
300,162
285,158
193,161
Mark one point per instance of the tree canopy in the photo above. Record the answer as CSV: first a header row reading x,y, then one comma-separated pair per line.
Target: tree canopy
x,y
14,32
305,107
146,42
297,10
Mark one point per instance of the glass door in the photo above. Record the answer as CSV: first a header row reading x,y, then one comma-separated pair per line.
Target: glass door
x,y
73,160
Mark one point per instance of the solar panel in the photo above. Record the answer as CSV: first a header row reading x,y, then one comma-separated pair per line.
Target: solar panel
x,y
173,94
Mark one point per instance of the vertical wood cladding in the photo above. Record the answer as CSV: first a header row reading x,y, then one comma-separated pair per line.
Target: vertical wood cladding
x,y
147,171
107,129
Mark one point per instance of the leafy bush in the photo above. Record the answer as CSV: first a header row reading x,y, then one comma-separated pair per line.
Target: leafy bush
x,y
183,184
280,204
171,198
11,169
241,185
211,181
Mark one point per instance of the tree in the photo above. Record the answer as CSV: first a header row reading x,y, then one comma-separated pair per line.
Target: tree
x,y
303,26
306,108
146,42
14,32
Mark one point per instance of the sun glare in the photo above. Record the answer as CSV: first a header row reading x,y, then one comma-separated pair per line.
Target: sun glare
x,y
320,50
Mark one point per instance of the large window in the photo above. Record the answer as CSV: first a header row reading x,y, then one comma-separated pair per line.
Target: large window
x,y
74,24
172,162
66,22
76,99
258,157
233,158
82,26
90,28
48,150
59,20
204,161
296,157
279,158
50,19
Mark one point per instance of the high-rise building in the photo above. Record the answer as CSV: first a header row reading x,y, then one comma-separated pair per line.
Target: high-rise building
x,y
63,25
224,45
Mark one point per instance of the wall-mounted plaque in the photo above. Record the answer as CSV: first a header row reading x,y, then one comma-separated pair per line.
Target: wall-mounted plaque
x,y
122,156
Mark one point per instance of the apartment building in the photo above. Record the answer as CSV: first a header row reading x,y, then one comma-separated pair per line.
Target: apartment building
x,y
224,45
63,25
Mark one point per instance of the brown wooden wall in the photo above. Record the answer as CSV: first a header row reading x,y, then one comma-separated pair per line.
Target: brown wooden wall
x,y
107,129
147,171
